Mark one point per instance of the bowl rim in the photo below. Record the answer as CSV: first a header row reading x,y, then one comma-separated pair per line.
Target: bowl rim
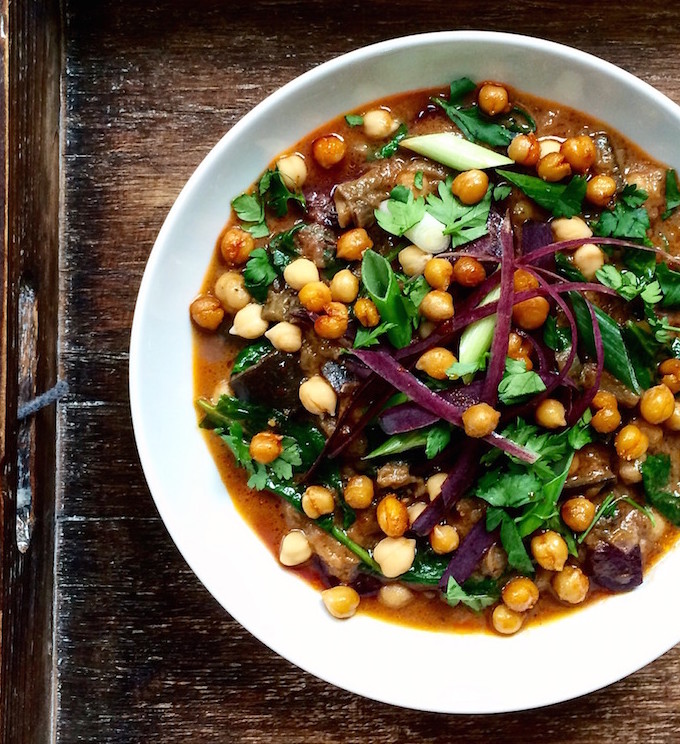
x,y
657,645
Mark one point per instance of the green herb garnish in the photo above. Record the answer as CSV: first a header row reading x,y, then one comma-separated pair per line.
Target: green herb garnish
x,y
563,200
672,194
518,384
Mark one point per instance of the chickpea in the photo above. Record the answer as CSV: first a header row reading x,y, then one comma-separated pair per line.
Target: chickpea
x,y
470,186
670,371
549,145
493,99
235,246
480,420
444,539
435,362
550,414
629,472
520,594
366,312
531,314
285,337
295,549
329,150
434,485
415,510
248,322
413,261
578,513
604,399
673,422
588,259
549,550
606,420
300,272
468,272
426,328
359,492
523,280
600,190
344,286
334,323
525,150
317,501
265,447
579,152
505,620
437,305
352,244
657,404
570,228
394,596
571,585
293,171
553,167
315,296
394,555
520,349
379,123
230,290
317,396
341,601
438,273
392,516
653,432
207,312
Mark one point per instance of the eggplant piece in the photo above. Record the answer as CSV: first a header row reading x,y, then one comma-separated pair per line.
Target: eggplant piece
x,y
273,381
337,375
616,569
594,469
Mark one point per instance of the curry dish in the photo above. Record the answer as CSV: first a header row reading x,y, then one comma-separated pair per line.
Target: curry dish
x,y
436,359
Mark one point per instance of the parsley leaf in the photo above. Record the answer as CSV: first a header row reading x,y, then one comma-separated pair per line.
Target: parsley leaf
x,y
366,337
463,223
463,369
510,539
669,281
557,338
514,489
628,219
518,383
354,120
402,211
277,194
250,210
475,595
656,470
563,200
258,274
387,150
474,126
672,194
629,285
414,290
418,180
438,439
502,191
282,466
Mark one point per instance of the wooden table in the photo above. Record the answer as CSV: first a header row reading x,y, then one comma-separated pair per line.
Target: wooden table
x,y
107,636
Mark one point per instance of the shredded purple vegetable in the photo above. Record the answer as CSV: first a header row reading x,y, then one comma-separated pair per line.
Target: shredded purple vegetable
x,y
468,555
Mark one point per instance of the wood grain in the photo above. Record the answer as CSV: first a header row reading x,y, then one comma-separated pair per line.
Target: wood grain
x,y
143,653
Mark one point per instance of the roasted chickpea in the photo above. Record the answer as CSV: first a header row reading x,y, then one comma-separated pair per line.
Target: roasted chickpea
x,y
437,305
265,447
570,228
334,323
571,585
520,594
468,272
329,150
359,492
366,312
317,396
248,322
520,349
352,244
344,286
600,190
435,362
673,422
394,596
207,312
523,280
631,442
493,99
235,246
285,337
480,420
606,420
578,513
315,296
470,186
300,272
413,261
293,171
379,123
392,516
394,555
604,399
438,273
230,290
670,374
505,620
444,539
317,501
525,150
553,167
588,259
550,414
341,601
657,404
579,152
549,550
531,314
295,549
434,485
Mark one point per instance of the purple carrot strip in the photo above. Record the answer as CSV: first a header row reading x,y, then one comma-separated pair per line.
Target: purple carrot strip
x,y
468,555
460,478
567,245
400,378
536,235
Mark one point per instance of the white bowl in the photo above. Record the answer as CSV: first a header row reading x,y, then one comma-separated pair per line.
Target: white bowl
x,y
582,651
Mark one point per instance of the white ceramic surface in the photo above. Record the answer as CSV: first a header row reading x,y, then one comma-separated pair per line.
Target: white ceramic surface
x,y
583,651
